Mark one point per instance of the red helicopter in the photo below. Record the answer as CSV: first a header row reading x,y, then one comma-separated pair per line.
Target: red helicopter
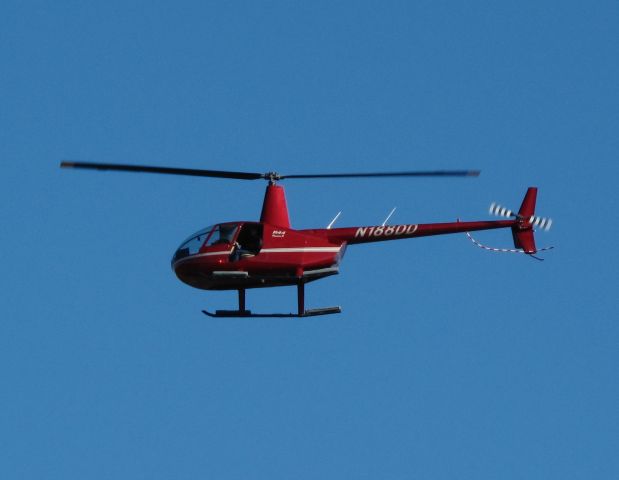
x,y
269,253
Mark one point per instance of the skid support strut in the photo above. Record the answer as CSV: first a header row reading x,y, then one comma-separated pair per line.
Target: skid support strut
x,y
301,297
301,311
241,300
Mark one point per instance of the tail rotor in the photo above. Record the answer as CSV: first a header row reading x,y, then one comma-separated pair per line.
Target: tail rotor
x,y
542,222
525,221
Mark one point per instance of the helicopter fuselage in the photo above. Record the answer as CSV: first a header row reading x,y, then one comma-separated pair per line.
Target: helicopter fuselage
x,y
237,255
241,255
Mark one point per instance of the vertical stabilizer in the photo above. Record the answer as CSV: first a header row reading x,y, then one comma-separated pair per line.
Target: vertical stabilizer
x,y
527,209
523,230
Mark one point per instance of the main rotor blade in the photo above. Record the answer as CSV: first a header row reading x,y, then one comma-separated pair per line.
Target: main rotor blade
x,y
431,173
273,176
194,172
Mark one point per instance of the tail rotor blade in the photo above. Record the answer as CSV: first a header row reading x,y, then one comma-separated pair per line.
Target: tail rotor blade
x,y
541,222
500,211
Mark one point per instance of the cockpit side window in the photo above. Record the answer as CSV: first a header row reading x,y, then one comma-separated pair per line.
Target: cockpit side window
x,y
222,235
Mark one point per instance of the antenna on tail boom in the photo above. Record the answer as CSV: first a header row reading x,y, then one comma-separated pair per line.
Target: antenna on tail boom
x,y
333,221
388,216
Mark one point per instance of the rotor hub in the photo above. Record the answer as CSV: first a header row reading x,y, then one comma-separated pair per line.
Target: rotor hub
x,y
272,177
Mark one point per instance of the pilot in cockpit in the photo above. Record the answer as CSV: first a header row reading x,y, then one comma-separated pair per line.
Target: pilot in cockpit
x,y
226,234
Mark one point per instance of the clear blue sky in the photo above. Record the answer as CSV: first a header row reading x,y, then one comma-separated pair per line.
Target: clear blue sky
x,y
447,361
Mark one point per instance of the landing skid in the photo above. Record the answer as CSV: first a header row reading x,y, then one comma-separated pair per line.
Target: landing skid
x,y
314,312
242,312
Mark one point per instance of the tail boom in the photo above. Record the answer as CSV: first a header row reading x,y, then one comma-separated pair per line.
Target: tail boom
x,y
382,233
521,226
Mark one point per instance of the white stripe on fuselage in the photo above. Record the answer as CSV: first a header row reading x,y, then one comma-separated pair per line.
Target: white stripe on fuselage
x,y
200,255
265,250
300,250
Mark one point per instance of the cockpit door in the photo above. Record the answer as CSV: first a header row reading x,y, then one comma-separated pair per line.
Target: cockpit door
x,y
248,241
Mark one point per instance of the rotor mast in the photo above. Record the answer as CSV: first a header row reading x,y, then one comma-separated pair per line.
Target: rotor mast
x,y
274,208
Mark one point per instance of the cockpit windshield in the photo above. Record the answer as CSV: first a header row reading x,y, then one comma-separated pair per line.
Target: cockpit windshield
x,y
192,245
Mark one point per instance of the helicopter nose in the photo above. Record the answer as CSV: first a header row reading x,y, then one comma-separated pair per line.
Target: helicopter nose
x,y
179,254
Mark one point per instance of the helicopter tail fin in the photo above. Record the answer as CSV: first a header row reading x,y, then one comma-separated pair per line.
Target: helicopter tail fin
x,y
523,230
522,226
524,239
